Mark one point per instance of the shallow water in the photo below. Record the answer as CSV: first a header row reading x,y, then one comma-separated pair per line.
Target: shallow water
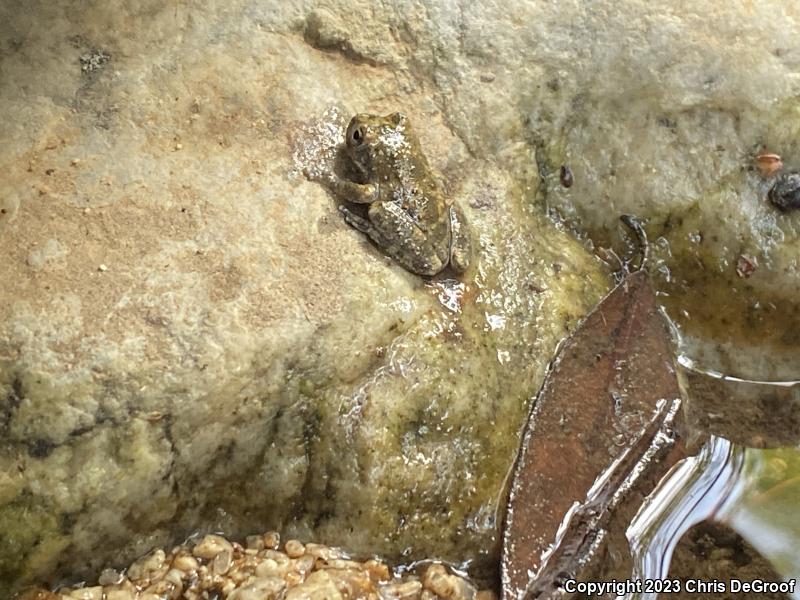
x,y
737,365
755,492
698,488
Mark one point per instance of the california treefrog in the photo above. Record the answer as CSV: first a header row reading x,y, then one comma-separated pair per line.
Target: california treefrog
x,y
408,216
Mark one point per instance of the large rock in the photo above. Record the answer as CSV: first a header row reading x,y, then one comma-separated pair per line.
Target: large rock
x,y
190,336
661,110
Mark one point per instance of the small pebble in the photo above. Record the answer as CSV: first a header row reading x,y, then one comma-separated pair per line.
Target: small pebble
x,y
768,164
186,563
322,552
102,268
147,566
295,549
293,578
255,542
278,557
785,192
210,546
377,570
268,568
746,265
318,586
175,577
88,593
565,176
446,585
223,561
38,594
164,588
338,563
305,564
264,588
437,580
272,539
109,577
227,588
407,590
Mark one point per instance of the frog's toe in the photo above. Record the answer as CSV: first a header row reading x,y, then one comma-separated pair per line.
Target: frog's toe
x,y
459,260
354,220
460,244
426,267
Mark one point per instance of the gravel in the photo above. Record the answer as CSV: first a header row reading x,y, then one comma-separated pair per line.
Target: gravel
x,y
214,568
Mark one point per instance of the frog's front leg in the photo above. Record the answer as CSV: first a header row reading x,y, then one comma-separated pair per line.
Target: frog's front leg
x,y
358,193
460,244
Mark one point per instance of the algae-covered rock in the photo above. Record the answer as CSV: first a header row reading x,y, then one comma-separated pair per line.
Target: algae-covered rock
x,y
661,111
191,338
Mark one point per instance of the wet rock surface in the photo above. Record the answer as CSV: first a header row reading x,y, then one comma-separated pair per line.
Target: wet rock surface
x,y
673,136
193,339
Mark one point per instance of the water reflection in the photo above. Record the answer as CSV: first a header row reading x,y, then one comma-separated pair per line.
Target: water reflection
x,y
698,488
755,492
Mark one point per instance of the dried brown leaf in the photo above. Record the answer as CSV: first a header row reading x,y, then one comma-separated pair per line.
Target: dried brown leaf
x,y
609,393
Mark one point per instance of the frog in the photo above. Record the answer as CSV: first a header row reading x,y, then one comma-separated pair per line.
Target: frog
x,y
408,216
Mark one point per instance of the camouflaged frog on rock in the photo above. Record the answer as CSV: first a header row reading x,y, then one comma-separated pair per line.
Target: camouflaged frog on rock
x,y
408,217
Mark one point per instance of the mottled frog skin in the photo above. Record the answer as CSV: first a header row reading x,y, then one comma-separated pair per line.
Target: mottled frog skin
x,y
408,216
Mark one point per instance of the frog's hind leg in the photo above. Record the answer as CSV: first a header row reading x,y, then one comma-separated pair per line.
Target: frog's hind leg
x,y
398,236
460,245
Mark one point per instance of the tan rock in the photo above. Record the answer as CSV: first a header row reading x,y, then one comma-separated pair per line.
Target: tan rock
x,y
146,567
264,588
88,593
120,594
318,586
245,348
406,590
211,546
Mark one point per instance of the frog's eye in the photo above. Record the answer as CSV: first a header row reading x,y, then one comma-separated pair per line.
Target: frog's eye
x,y
357,135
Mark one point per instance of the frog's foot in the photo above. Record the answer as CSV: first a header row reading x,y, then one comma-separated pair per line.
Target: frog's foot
x,y
396,233
355,220
460,240
358,193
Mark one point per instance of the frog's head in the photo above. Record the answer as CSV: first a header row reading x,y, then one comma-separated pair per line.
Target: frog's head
x,y
371,140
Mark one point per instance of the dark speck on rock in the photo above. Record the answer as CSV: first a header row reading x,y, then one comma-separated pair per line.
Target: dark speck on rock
x,y
94,60
40,448
785,192
565,175
668,123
